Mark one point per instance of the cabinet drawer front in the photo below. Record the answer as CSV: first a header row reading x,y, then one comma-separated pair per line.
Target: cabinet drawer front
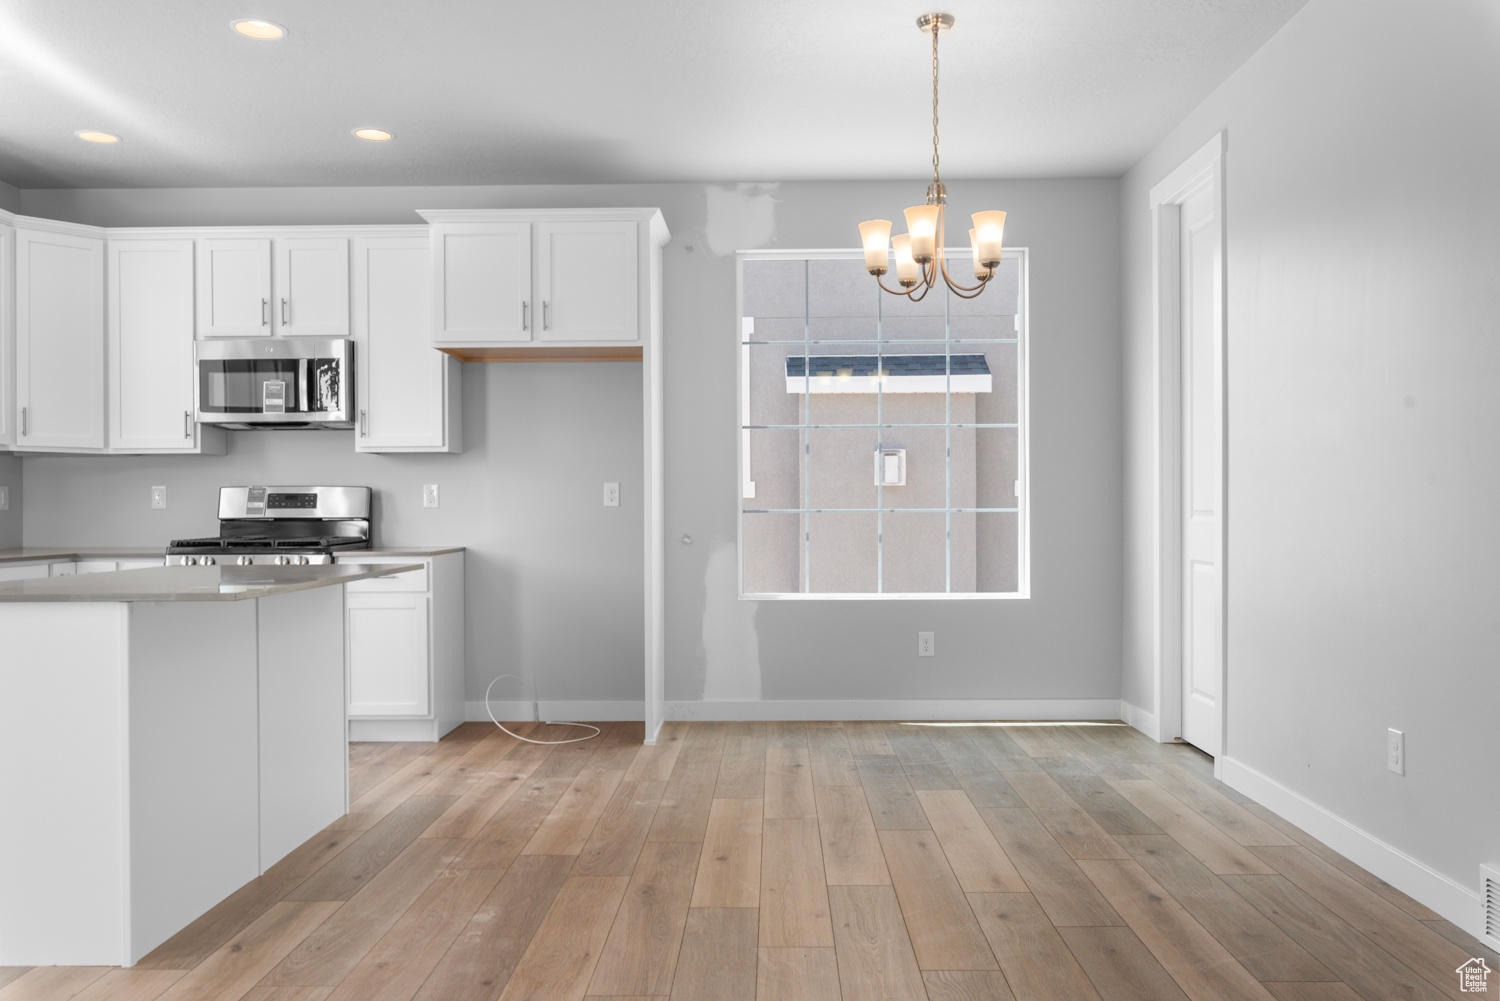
x,y
412,580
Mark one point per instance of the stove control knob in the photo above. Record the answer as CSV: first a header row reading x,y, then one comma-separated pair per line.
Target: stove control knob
x,y
282,561
303,560
244,561
188,561
206,561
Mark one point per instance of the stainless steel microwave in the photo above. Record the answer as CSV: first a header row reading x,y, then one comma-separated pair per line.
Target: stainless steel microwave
x,y
275,382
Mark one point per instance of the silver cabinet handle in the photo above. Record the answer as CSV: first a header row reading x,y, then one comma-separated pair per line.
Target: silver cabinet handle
x,y
187,424
524,324
364,425
544,314
283,311
265,314
25,426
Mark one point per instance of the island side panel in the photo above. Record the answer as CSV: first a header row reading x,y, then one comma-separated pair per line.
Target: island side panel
x,y
194,769
304,749
62,784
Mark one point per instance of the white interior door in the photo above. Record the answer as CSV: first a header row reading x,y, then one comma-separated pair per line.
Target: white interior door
x,y
1201,248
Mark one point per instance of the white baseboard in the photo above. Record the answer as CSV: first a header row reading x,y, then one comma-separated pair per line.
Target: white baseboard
x,y
1424,884
591,710
852,709
1140,719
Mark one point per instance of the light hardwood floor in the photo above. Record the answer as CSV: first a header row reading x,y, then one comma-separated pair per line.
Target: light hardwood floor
x,y
798,862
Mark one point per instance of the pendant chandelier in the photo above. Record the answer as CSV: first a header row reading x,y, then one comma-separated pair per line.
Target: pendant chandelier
x,y
919,251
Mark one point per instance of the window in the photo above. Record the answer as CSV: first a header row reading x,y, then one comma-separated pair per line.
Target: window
x,y
882,442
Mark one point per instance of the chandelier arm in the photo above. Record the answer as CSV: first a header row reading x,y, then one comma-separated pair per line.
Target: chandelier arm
x,y
971,295
960,289
892,291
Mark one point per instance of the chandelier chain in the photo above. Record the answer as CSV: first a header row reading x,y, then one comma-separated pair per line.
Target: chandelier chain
x,y
935,27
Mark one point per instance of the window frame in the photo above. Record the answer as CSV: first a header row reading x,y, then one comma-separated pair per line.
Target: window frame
x,y
1023,443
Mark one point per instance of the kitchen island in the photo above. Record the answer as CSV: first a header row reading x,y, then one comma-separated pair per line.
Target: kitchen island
x,y
166,735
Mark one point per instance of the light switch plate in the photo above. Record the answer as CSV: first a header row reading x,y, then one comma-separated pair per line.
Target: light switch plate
x,y
611,495
429,495
926,645
1395,751
158,498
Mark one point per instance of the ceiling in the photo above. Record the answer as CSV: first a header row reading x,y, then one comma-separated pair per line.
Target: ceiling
x,y
494,92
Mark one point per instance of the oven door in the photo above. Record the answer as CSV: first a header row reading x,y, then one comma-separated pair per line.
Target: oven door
x,y
256,382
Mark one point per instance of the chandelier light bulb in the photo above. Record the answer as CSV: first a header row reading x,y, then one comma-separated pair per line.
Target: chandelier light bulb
x,y
876,237
922,225
991,229
908,271
981,271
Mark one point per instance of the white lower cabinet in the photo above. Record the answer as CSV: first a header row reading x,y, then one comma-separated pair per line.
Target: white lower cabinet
x,y
31,571
406,650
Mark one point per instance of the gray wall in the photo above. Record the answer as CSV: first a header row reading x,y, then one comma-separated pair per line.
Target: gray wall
x,y
10,198
10,521
1364,398
1062,643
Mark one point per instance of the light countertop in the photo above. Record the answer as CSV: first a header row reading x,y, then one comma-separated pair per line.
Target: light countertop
x,y
58,554
216,583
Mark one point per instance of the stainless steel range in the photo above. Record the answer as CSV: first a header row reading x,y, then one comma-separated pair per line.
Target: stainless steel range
x,y
282,526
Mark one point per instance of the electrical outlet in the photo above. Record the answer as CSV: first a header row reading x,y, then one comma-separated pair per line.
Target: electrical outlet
x,y
926,645
1395,751
158,498
429,495
4,498
611,495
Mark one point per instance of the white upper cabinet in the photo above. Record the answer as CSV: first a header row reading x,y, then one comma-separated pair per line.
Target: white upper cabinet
x,y
407,394
7,333
305,293
234,287
482,283
150,310
312,286
587,281
59,340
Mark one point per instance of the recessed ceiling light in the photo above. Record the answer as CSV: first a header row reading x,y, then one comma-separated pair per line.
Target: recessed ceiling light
x,y
89,135
373,135
264,30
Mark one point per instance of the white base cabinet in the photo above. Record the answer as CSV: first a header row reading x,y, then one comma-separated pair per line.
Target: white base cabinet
x,y
405,646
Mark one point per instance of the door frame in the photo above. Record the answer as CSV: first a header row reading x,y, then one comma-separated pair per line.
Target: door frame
x,y
1165,201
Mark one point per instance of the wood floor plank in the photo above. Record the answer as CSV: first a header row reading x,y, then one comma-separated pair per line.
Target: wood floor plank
x,y
867,738
1038,740
851,848
1215,849
890,797
966,985
565,761
1353,958
787,733
924,767
1202,967
485,795
237,965
682,814
332,951
617,749
129,985
288,994
1468,943
1002,750
640,954
718,957
832,760
1113,812
1120,967
395,968
567,828
1033,956
729,868
793,894
943,931
352,868
1398,933
52,983
1349,868
481,959
10,974
654,763
395,757
1257,944
559,962
616,841
797,975
235,912
789,783
742,770
375,805
1063,891
876,961
976,774
1070,824
976,858
512,827
1332,991
1214,807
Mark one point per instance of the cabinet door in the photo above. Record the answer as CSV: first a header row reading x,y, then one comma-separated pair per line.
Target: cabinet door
x,y
234,287
25,573
151,345
482,280
312,286
388,654
7,335
59,340
587,281
402,392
